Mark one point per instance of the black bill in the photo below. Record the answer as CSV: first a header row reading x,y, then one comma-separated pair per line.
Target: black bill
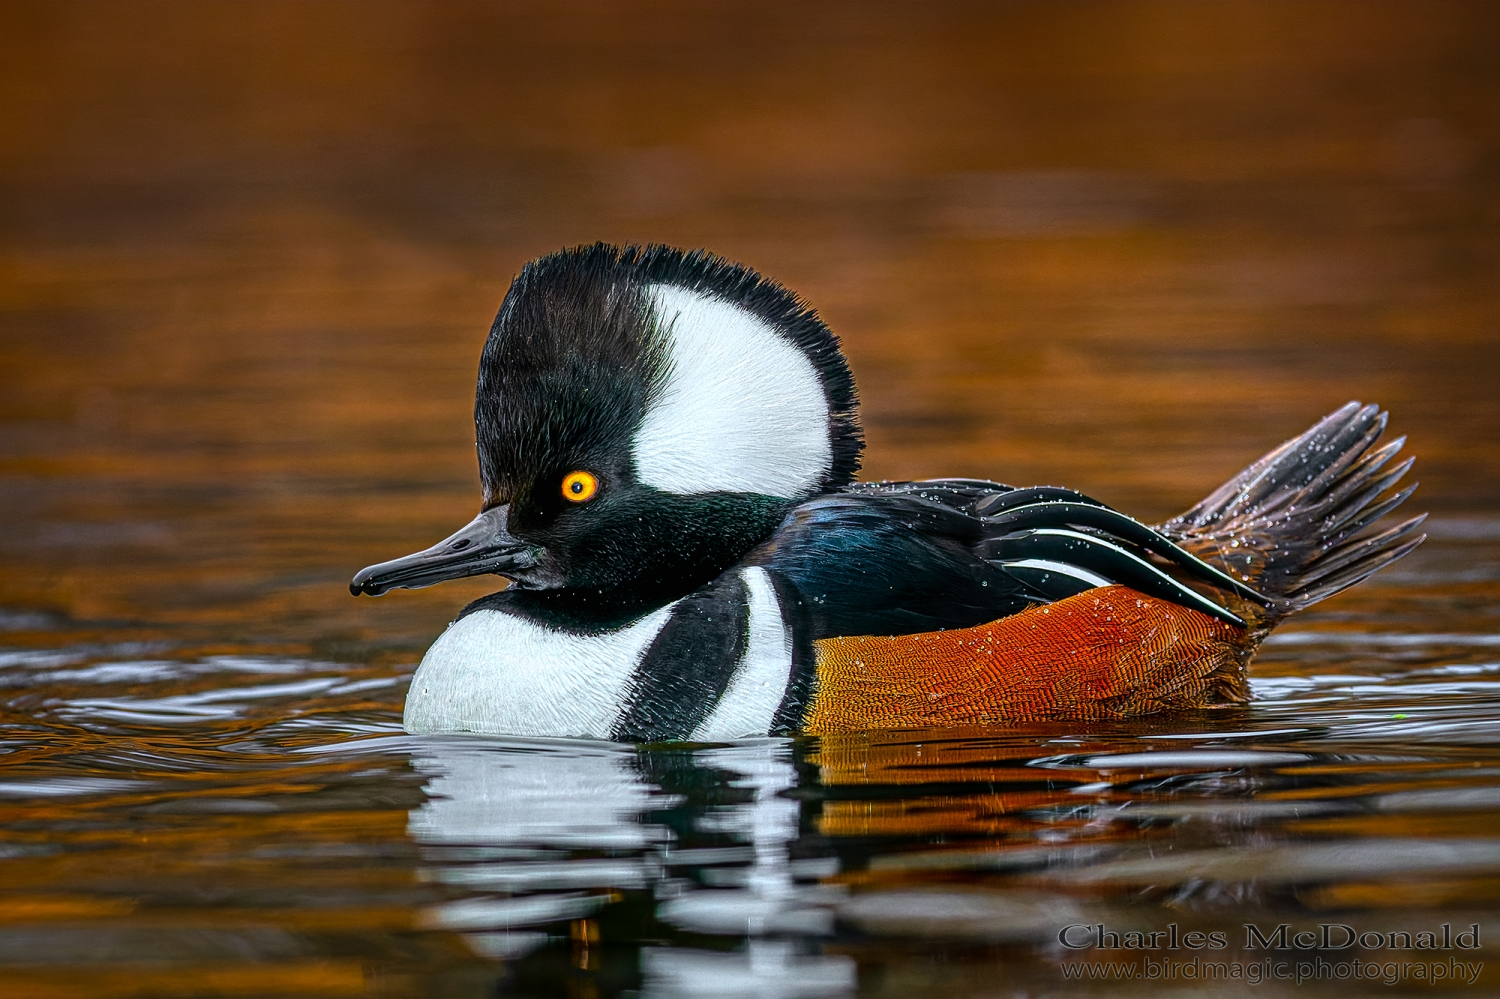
x,y
481,546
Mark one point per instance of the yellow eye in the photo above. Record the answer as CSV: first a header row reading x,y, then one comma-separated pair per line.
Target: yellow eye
x,y
579,487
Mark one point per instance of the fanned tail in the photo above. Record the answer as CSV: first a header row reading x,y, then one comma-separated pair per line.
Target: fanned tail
x,y
1293,525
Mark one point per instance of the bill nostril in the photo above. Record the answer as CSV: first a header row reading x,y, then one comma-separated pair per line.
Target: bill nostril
x,y
460,545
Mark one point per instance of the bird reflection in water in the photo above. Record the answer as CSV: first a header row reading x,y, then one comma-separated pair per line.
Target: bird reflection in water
x,y
565,856
776,867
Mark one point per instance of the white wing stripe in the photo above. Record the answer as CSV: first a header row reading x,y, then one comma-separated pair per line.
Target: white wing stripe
x,y
1062,569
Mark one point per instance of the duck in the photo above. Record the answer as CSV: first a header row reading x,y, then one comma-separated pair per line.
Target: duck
x,y
668,445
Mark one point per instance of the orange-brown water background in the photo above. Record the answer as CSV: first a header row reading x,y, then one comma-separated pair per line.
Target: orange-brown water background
x,y
249,253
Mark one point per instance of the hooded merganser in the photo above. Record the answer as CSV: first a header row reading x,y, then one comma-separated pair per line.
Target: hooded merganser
x,y
667,447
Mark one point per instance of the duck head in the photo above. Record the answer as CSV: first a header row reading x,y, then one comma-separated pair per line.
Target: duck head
x,y
644,418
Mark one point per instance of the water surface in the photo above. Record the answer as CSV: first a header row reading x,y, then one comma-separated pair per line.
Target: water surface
x,y
246,265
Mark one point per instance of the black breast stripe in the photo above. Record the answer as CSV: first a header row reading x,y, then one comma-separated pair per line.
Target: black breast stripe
x,y
802,683
689,664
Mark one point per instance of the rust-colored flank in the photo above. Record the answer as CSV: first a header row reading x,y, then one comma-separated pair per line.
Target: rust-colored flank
x,y
1110,652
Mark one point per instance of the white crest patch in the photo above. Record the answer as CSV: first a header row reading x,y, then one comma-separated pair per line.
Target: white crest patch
x,y
749,704
499,674
743,409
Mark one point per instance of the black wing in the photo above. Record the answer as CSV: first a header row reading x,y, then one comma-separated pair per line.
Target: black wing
x,y
906,557
871,562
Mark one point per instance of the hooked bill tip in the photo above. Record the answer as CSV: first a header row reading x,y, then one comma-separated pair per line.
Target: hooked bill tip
x,y
364,582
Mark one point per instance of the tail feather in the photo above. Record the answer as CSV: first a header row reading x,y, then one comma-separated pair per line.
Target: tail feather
x,y
1363,486
1291,469
1357,463
1294,524
1357,559
1348,529
1374,562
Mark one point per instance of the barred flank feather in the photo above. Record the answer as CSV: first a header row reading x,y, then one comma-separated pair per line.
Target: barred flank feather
x,y
1293,525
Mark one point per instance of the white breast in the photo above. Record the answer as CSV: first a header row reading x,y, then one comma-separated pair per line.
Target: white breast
x,y
749,704
499,674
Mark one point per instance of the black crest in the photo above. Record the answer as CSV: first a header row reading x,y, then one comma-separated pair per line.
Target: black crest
x,y
572,360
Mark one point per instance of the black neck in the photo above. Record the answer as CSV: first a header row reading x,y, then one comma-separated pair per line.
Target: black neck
x,y
676,545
